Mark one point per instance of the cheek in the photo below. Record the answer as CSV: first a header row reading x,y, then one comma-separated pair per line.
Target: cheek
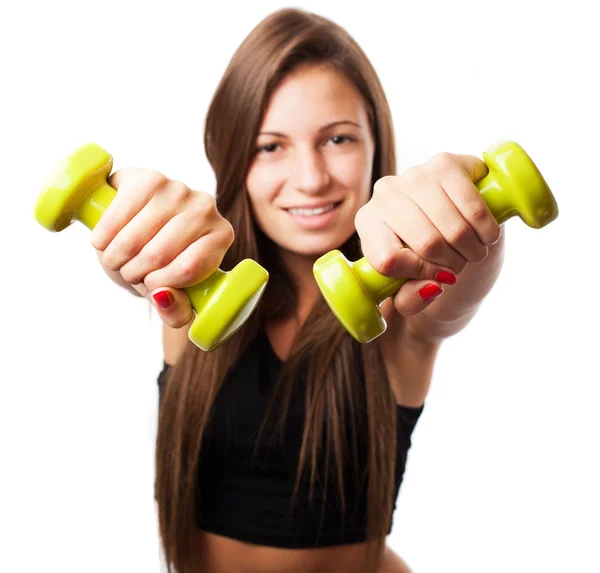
x,y
367,180
252,184
261,193
258,206
356,175
262,183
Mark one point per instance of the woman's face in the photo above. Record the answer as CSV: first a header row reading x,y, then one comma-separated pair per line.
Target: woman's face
x,y
313,163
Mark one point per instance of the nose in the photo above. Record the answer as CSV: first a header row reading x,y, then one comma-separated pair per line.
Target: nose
x,y
309,173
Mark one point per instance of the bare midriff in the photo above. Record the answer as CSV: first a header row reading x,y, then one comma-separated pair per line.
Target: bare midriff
x,y
218,554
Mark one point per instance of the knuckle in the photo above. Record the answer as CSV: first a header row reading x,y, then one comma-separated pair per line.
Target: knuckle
x,y
443,161
204,204
130,276
428,245
153,178
360,216
228,232
111,264
179,191
421,267
111,260
457,232
385,260
206,199
188,271
156,256
145,182
415,175
104,232
97,241
478,210
103,259
417,267
383,184
383,264
129,247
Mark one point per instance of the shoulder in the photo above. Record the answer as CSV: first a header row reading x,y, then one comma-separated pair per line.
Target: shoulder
x,y
409,360
174,341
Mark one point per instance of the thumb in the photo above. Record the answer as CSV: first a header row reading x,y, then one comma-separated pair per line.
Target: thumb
x,y
173,306
474,166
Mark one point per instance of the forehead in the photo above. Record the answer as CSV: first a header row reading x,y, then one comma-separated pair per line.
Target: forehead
x,y
311,97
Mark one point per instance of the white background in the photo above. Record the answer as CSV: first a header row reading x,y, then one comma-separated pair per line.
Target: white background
x,y
503,474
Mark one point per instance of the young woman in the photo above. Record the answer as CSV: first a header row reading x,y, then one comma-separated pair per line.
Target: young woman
x,y
283,451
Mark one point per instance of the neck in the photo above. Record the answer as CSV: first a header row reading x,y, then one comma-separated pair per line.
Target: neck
x,y
300,269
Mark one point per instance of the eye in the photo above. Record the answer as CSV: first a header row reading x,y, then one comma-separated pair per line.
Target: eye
x,y
340,139
269,148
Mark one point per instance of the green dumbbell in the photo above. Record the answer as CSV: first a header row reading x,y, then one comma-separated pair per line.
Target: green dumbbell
x,y
354,290
78,190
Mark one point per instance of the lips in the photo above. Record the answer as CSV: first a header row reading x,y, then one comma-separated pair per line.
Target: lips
x,y
314,217
312,210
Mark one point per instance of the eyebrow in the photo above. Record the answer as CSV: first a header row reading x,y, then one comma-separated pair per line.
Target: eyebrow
x,y
328,126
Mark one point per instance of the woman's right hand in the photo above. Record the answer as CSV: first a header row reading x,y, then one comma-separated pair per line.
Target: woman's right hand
x,y
159,232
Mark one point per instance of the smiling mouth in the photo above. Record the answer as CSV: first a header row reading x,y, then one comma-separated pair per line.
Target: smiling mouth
x,y
305,212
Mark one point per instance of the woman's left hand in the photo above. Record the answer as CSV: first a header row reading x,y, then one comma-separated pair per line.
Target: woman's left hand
x,y
437,211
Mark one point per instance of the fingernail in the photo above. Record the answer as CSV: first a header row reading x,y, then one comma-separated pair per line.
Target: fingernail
x,y
446,277
430,291
164,299
499,237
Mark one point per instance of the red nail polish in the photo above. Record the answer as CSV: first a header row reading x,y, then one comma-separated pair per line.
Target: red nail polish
x,y
164,299
430,291
446,277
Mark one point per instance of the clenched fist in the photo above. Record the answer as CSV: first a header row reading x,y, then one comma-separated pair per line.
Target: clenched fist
x,y
436,210
159,233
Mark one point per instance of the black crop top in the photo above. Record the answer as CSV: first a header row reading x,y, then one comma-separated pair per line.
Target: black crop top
x,y
251,503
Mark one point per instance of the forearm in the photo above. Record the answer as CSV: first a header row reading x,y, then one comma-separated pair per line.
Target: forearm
x,y
456,307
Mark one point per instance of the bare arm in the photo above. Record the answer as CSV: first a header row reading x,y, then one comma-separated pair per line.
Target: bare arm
x,y
411,343
174,341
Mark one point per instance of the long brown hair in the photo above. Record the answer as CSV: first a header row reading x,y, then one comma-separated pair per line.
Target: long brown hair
x,y
279,44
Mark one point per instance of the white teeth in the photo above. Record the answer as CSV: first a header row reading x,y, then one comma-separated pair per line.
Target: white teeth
x,y
312,212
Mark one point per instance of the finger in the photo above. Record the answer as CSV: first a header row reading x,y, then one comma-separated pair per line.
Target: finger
x,y
193,265
133,192
129,242
173,306
386,253
415,296
460,187
408,220
173,238
475,168
116,179
142,289
450,223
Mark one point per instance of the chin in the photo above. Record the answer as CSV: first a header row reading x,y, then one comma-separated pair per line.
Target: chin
x,y
314,247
